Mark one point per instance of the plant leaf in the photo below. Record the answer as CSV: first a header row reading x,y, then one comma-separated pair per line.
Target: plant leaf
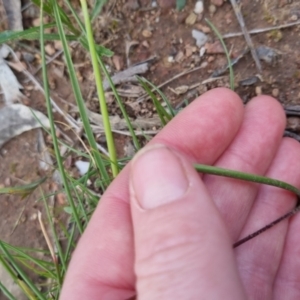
x,y
180,4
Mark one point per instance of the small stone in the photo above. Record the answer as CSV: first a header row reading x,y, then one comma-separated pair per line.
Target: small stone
x,y
28,57
217,2
146,33
179,57
191,19
202,51
294,18
200,37
145,44
210,59
199,7
275,93
258,90
203,28
132,5
118,62
293,123
214,48
166,3
171,59
58,45
188,50
212,9
49,49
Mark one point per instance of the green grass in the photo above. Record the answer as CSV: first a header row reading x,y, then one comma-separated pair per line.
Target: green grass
x,y
20,262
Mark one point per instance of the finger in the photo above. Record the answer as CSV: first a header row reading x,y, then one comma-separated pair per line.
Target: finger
x,y
287,280
178,232
251,151
259,259
104,269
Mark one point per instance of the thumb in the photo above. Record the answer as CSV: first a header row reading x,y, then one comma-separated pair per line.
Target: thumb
x,y
182,248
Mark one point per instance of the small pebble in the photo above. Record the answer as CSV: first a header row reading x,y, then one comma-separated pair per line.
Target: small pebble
x,y
191,19
258,90
200,37
146,33
212,9
275,93
202,51
199,7
294,18
217,2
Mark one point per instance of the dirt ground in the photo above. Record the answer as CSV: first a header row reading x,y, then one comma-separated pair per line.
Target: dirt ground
x,y
162,33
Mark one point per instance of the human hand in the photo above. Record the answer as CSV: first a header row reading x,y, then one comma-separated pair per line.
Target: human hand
x,y
140,240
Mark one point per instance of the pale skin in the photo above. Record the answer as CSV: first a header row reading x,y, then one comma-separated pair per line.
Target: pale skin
x,y
163,231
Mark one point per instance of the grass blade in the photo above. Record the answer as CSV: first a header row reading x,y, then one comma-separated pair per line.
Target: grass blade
x,y
79,100
216,31
52,127
100,91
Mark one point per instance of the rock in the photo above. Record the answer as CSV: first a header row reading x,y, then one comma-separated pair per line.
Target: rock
x,y
118,62
267,54
203,28
49,49
217,2
167,3
132,5
212,9
146,33
199,7
179,57
275,93
214,48
294,18
200,37
293,123
258,90
191,19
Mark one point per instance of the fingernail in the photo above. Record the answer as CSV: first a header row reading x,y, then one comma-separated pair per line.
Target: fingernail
x,y
157,177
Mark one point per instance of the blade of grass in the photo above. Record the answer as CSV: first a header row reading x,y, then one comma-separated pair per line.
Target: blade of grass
x,y
246,176
52,127
100,53
79,100
100,91
97,8
216,31
23,256
6,293
49,9
163,96
23,190
27,285
159,108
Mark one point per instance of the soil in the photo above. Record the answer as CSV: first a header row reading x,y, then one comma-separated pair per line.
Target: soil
x,y
161,33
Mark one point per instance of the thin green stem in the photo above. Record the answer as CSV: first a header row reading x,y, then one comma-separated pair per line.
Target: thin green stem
x,y
216,31
246,176
51,119
107,128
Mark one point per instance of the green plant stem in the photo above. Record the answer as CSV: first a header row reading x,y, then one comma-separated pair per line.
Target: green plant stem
x,y
246,176
216,31
27,286
79,100
52,128
107,128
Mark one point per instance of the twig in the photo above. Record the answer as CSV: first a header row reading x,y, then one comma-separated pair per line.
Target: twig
x,y
145,96
261,30
237,10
